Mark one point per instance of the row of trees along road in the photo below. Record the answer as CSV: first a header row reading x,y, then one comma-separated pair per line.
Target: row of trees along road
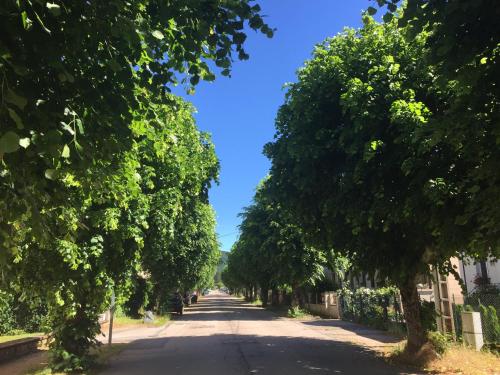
x,y
270,253
103,172
387,151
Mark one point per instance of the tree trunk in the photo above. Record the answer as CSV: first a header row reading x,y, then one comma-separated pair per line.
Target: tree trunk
x,y
275,298
295,296
411,307
302,297
264,292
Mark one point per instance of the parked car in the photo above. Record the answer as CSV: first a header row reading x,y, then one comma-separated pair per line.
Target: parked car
x,y
194,297
187,298
176,304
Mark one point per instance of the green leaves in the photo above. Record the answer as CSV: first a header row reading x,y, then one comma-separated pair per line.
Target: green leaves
x,y
388,17
73,101
9,142
24,142
65,152
27,23
14,116
54,9
15,99
353,182
51,174
271,250
374,145
392,7
158,34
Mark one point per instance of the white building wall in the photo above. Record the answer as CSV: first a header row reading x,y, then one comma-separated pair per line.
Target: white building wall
x,y
493,267
473,270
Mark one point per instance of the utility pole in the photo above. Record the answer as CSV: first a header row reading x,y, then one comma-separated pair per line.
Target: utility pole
x,y
111,314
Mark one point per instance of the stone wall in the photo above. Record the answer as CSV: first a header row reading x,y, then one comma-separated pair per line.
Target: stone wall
x,y
17,348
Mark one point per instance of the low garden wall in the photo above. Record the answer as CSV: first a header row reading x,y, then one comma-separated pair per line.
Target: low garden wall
x,y
17,348
328,307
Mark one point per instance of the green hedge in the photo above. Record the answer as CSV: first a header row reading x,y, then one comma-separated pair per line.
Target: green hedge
x,y
7,318
17,315
140,299
380,308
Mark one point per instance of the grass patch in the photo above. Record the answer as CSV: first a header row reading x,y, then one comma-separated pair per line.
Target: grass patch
x,y
125,321
288,312
296,312
161,320
8,338
457,359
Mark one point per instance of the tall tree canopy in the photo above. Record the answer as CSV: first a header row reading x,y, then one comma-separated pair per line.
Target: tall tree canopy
x,y
270,251
92,147
463,46
70,107
357,162
179,164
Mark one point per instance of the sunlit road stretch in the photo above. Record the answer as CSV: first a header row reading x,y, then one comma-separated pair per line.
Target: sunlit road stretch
x,y
223,335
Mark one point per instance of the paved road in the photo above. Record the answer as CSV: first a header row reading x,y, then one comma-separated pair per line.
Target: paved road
x,y
224,336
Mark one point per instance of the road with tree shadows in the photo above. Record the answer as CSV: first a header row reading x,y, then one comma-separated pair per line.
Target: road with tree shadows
x,y
223,335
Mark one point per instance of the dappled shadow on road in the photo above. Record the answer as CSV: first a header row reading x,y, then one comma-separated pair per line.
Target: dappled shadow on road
x,y
336,326
231,309
228,336
223,309
247,354
225,314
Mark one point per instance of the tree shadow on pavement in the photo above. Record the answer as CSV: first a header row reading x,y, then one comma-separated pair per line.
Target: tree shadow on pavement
x,y
339,326
225,309
229,354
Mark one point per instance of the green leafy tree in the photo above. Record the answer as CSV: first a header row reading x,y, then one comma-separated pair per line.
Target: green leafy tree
x,y
181,249
74,207
238,275
463,47
270,251
356,164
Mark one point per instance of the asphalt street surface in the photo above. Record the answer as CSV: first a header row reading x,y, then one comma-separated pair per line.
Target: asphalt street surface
x,y
224,336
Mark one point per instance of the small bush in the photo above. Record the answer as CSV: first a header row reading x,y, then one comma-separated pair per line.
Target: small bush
x,y
139,299
428,316
31,317
296,312
491,325
440,342
16,332
19,316
7,318
378,308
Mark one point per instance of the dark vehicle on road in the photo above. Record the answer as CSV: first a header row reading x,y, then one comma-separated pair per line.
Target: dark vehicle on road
x,y
187,299
176,304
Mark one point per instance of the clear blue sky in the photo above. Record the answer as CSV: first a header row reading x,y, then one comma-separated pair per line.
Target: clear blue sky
x,y
239,111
